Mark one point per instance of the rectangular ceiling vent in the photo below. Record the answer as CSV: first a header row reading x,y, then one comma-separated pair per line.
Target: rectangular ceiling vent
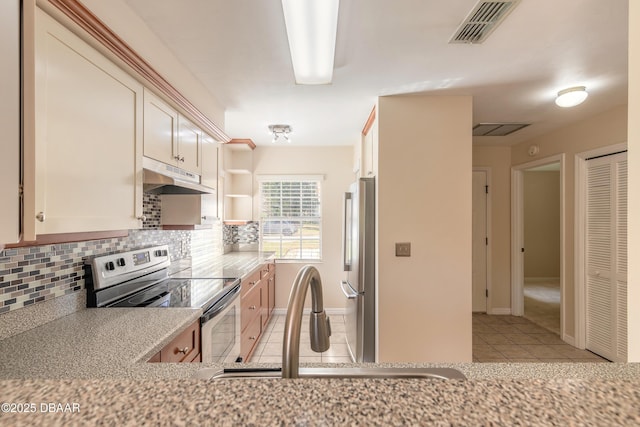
x,y
482,20
497,129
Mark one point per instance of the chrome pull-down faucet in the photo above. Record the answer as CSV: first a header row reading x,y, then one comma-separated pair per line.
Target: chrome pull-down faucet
x,y
319,326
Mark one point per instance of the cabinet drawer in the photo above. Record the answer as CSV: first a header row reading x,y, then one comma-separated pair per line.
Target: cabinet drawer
x,y
250,307
249,283
266,270
184,348
249,338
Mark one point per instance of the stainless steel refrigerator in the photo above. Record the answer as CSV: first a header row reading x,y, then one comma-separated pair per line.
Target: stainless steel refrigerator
x,y
358,286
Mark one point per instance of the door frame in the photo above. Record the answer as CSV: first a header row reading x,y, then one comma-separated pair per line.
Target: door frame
x,y
487,171
517,236
580,223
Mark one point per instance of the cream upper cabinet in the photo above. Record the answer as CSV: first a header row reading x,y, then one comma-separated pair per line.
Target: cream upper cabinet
x,y
189,146
209,161
88,137
188,209
160,129
369,147
10,121
169,137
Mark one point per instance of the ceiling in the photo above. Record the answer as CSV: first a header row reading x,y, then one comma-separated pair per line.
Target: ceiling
x,y
238,49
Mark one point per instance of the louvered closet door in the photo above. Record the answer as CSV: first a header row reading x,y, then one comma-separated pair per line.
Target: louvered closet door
x,y
606,256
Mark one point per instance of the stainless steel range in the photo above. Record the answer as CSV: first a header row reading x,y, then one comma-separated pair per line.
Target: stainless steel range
x,y
140,278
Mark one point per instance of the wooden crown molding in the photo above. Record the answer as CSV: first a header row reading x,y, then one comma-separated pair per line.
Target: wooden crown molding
x,y
51,239
370,120
89,22
247,141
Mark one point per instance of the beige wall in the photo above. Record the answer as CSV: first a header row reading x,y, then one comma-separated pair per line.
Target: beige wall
x,y
541,209
633,290
336,164
124,22
424,197
604,129
498,160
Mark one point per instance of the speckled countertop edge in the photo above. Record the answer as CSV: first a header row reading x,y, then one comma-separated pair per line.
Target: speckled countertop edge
x,y
328,402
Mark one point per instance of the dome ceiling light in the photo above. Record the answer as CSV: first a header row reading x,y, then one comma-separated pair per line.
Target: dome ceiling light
x,y
571,97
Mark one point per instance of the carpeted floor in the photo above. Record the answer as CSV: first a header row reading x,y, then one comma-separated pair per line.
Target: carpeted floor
x,y
542,303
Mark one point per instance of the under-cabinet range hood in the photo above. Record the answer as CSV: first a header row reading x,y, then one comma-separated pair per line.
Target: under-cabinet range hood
x,y
161,178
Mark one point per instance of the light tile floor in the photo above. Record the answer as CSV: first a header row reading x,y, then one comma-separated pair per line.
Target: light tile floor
x,y
495,339
516,339
269,348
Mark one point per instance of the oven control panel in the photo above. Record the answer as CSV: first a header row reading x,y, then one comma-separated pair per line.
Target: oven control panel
x,y
116,268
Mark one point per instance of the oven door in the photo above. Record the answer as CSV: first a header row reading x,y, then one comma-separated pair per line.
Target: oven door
x,y
220,330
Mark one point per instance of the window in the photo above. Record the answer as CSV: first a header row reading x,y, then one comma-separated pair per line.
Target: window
x,y
291,216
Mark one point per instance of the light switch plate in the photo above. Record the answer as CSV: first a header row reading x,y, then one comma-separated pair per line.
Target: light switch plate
x,y
403,249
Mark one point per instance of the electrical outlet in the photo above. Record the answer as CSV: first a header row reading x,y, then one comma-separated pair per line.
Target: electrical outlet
x,y
403,249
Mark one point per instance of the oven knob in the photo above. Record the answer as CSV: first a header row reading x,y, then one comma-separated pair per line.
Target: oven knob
x,y
121,262
109,266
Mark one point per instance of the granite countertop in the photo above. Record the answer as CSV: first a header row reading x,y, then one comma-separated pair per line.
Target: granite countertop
x,y
95,360
233,264
113,342
324,402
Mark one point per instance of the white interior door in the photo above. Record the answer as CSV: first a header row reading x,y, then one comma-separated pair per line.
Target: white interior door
x,y
606,257
479,226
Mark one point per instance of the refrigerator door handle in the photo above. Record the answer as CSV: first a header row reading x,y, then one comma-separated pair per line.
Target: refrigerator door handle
x,y
346,251
347,290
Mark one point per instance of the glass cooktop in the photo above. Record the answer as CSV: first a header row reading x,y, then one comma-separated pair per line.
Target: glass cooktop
x,y
194,293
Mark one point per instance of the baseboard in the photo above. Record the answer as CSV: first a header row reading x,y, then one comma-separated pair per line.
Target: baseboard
x,y
501,311
569,339
330,311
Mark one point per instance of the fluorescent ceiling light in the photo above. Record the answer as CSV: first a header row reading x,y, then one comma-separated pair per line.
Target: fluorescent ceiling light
x,y
311,30
572,96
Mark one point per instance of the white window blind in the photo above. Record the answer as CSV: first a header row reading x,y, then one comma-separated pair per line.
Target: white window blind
x,y
291,216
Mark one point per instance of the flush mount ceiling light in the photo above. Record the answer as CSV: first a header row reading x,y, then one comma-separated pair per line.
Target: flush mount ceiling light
x,y
311,30
571,97
280,131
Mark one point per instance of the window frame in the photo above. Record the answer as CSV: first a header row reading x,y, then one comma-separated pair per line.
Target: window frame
x,y
317,179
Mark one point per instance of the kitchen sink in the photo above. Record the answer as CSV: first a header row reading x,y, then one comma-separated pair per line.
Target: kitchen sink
x,y
369,372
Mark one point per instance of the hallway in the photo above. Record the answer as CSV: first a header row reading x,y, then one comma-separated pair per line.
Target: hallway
x,y
517,339
542,302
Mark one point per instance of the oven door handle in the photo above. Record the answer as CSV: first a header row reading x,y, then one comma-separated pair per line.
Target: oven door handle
x,y
220,306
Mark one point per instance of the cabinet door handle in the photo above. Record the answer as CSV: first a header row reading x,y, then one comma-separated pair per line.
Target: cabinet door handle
x,y
40,216
253,307
142,217
183,350
252,338
204,218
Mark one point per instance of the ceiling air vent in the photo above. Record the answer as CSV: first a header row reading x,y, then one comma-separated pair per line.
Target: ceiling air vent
x,y
497,129
482,20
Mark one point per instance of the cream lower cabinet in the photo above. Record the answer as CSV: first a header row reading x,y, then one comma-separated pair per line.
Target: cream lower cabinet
x,y
88,138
